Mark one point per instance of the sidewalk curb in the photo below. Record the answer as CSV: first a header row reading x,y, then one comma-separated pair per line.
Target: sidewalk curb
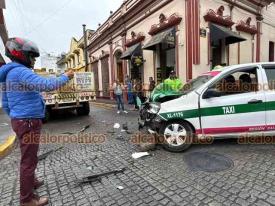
x,y
104,104
7,146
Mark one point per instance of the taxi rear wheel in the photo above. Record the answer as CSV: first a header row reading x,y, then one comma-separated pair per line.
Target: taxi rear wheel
x,y
176,136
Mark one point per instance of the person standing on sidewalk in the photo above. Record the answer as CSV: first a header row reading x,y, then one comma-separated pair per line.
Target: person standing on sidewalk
x,y
23,103
135,94
152,85
118,91
130,92
138,94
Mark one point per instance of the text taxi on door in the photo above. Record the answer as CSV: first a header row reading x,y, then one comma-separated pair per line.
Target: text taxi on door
x,y
238,102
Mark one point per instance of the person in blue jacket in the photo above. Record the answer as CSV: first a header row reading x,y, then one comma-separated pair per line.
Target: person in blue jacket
x,y
22,101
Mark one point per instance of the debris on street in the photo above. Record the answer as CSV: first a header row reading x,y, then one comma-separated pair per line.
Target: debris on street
x,y
128,132
45,155
68,133
89,168
4,124
98,177
120,187
147,147
125,126
84,129
138,155
119,137
116,126
111,131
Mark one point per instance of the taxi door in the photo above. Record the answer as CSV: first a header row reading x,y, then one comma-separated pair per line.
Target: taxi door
x,y
234,104
269,88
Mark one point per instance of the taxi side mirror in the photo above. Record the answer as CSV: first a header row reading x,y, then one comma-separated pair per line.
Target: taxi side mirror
x,y
210,93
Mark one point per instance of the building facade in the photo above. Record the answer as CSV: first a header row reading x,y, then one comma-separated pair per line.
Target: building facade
x,y
3,37
75,58
150,38
61,63
3,33
48,61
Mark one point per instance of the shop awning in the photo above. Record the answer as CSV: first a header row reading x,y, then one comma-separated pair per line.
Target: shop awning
x,y
167,36
133,50
219,33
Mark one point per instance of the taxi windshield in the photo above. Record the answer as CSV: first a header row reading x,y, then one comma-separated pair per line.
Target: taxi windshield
x,y
196,83
164,89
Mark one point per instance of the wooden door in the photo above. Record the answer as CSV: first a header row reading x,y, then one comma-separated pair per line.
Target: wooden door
x,y
105,77
95,70
120,72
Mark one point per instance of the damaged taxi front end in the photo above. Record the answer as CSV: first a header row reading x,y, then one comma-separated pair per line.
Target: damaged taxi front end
x,y
152,118
149,118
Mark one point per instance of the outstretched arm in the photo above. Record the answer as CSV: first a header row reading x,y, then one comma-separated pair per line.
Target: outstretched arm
x,y
37,83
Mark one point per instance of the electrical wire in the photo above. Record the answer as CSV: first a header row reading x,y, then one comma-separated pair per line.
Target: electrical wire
x,y
13,14
21,15
49,17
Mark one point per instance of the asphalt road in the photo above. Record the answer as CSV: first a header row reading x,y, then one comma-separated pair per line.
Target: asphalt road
x,y
223,173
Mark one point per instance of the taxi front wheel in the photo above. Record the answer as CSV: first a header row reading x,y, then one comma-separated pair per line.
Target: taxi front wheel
x,y
176,136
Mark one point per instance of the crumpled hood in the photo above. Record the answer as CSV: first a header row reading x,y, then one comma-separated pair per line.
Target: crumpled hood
x,y
5,69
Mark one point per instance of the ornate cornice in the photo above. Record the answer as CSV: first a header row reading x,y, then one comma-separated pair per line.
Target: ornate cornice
x,y
246,27
218,18
93,59
136,38
165,23
104,54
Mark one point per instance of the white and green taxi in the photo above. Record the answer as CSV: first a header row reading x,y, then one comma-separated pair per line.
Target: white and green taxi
x,y
237,101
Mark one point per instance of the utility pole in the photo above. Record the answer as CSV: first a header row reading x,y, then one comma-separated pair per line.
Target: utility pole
x,y
85,47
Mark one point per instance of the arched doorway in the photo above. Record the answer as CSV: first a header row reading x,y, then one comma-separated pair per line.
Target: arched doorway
x,y
119,66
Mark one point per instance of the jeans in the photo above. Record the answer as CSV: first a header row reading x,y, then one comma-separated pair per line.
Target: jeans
x,y
28,133
119,100
135,95
135,100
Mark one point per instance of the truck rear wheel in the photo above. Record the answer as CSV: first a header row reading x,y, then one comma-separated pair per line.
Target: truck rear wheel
x,y
84,110
47,115
177,136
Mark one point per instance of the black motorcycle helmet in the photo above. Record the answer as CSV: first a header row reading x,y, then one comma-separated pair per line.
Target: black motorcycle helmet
x,y
21,50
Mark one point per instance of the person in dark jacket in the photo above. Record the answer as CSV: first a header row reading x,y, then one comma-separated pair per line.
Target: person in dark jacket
x,y
22,101
130,92
152,84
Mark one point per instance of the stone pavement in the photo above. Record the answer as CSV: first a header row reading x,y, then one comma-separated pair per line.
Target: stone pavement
x,y
161,179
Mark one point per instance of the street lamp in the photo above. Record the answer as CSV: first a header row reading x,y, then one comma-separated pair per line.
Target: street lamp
x,y
85,47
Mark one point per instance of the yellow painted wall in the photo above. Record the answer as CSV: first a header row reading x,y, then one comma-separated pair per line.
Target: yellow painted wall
x,y
79,61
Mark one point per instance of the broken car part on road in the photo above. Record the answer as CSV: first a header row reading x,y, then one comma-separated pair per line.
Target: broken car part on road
x,y
98,177
45,155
